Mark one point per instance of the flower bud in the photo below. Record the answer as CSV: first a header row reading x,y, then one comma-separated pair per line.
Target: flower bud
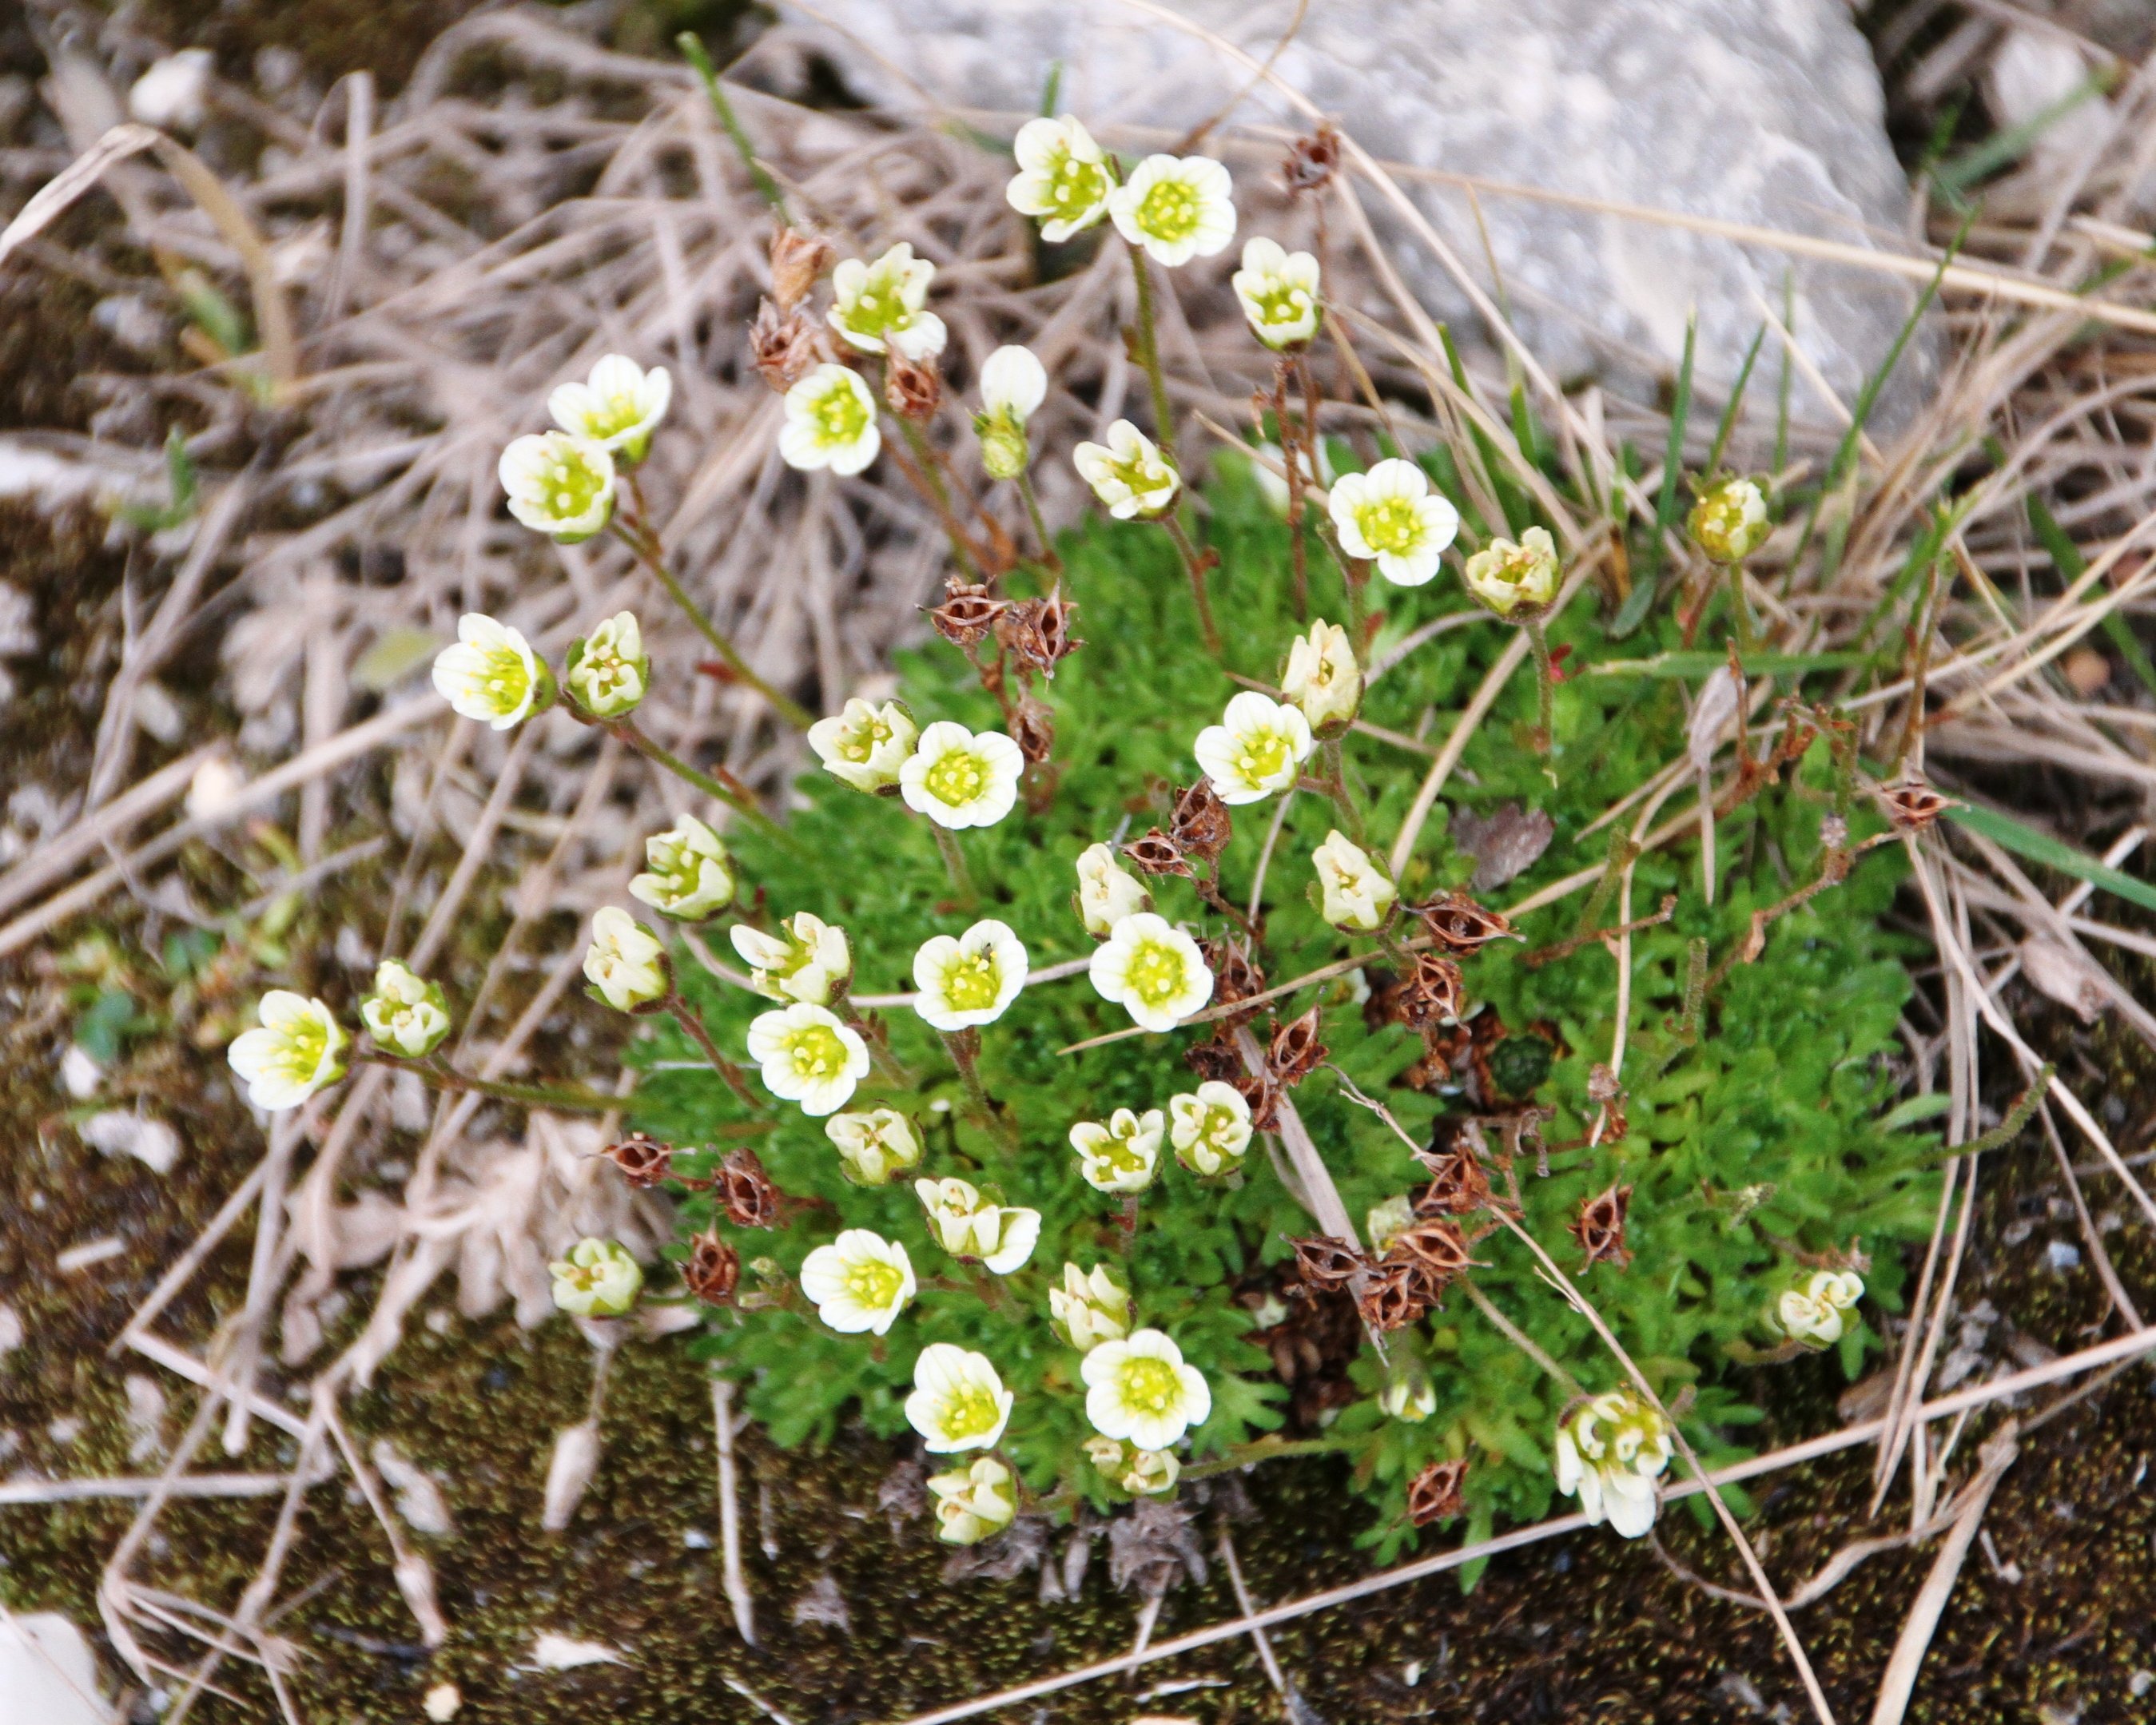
x,y
598,1279
608,673
1090,1308
973,1502
875,1147
625,965
1005,453
1730,521
406,1015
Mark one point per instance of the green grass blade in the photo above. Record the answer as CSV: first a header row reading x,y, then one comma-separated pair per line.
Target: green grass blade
x,y
2066,557
1736,405
2011,834
1665,506
693,51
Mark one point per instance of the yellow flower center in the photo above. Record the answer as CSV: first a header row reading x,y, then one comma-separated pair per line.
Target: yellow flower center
x,y
505,680
879,309
971,1412
300,1049
970,983
1074,186
841,414
817,1052
611,417
1121,1154
1157,972
956,778
1152,1386
1264,756
1169,210
873,1283
1280,304
1390,524
571,485
1214,1127
858,744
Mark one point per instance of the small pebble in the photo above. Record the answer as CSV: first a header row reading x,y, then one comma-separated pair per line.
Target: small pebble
x,y
441,1703
2062,1256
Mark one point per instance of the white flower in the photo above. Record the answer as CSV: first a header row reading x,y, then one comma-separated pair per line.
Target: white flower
x,y
1268,468
1143,1473
598,1279
859,1282
1386,1222
491,673
406,1015
1408,1395
808,959
1730,522
1509,577
969,980
619,409
1123,1154
831,422
1278,290
809,1055
1013,384
1210,1128
1816,1313
1258,747
688,875
875,1145
969,1226
972,1502
1139,1389
1389,515
1128,474
292,1053
1322,677
1062,180
558,484
959,1402
1089,1309
865,744
1108,891
959,779
1357,894
880,305
1609,1454
624,964
607,673
1176,208
1152,969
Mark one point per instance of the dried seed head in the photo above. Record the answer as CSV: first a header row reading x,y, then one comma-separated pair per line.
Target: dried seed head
x,y
913,389
798,262
967,613
1311,161
1201,824
1913,805
1217,1057
751,1200
1461,925
1263,1095
1032,729
1234,977
1599,1227
1434,1249
783,344
1296,1051
1157,853
1457,1187
643,1161
1434,1494
1432,995
1326,1264
713,1271
1038,631
1394,1295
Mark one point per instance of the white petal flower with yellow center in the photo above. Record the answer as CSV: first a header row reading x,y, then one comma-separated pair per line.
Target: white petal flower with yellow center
x,y
970,979
968,1225
598,1279
291,1054
1062,181
1609,1454
688,874
491,675
1090,1308
1122,1153
808,959
1108,891
1210,1128
874,1147
831,422
1139,1389
1390,516
1128,473
1278,292
1408,1396
625,966
1257,748
407,1016
958,1401
880,305
558,484
860,1281
1817,1313
1512,578
1356,895
958,779
810,1055
1013,384
1322,677
608,672
865,744
973,1502
1152,969
619,409
1175,208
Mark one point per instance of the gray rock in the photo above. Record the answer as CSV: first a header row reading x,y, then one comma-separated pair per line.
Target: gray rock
x,y
48,1674
1767,112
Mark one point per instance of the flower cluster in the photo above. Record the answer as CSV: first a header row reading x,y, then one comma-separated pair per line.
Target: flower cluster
x,y
1610,1453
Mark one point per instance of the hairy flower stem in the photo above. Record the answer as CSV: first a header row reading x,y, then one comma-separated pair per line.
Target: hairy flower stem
x,y
686,1017
1129,1222
1148,355
954,864
1024,483
1520,1339
1194,565
1336,774
635,531
439,1073
879,1053
1293,445
1740,612
627,732
1545,686
965,1047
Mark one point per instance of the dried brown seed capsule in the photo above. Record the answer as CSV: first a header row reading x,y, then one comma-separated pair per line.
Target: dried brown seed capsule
x,y
1263,1096
1434,994
751,1200
1032,729
1296,1051
1234,977
1157,853
713,1271
913,389
1326,1264
1434,1494
1201,824
1461,925
1457,1187
798,262
1311,161
643,1160
1038,631
1599,1227
1913,805
1434,1249
1394,1295
967,613
1216,1057
783,343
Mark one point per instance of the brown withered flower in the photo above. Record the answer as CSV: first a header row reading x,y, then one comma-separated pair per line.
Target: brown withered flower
x,y
1326,1265
1599,1227
1311,161
798,263
783,343
1913,805
1157,853
1038,631
1234,977
1434,992
967,612
1263,1095
713,1271
1394,1295
1217,1057
1461,925
1434,1249
1296,1051
1201,824
1032,729
912,389
1434,1494
643,1160
746,1191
